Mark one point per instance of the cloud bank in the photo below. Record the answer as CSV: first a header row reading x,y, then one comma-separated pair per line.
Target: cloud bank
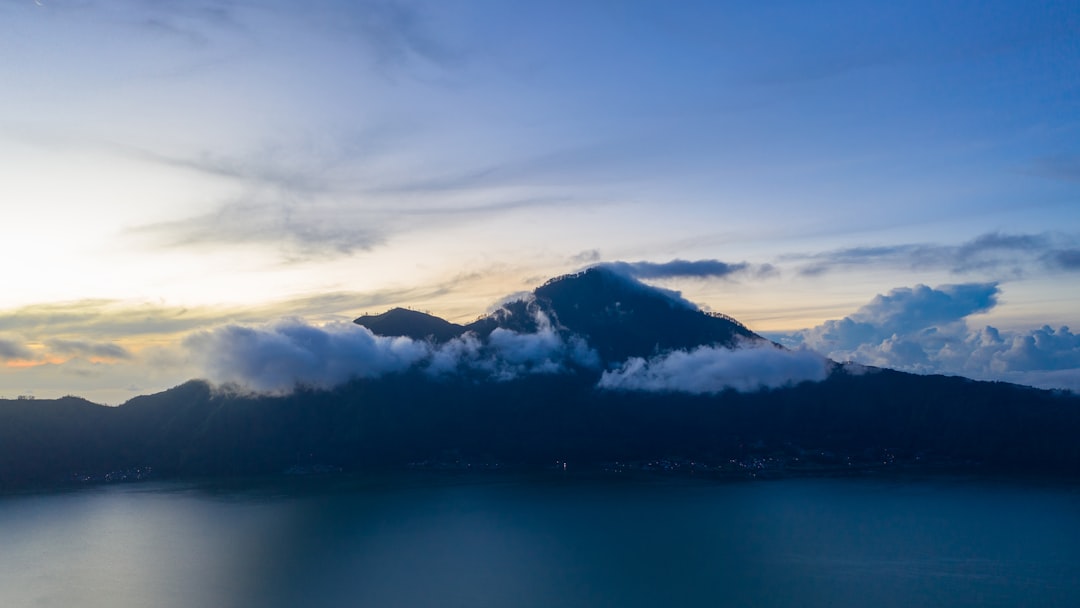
x,y
708,369
925,330
903,311
279,357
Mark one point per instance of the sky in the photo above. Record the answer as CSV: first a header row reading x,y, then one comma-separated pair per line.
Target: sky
x,y
891,183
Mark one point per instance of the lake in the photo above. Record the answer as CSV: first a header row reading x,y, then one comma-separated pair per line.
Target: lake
x,y
545,540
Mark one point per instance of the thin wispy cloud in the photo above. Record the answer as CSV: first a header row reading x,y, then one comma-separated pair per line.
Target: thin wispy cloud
x,y
328,227
11,349
1009,255
396,35
106,319
701,269
101,321
83,348
297,231
1065,168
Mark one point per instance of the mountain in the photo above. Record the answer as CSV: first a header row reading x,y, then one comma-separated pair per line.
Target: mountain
x,y
616,315
411,324
515,403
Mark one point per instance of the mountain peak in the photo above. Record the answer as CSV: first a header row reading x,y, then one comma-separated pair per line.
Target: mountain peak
x,y
411,323
622,317
608,283
616,314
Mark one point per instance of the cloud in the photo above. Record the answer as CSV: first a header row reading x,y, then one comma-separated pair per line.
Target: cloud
x,y
709,369
332,201
271,166
1066,259
88,349
396,34
9,349
300,231
106,320
1065,168
1036,350
902,311
586,256
706,269
994,252
925,330
507,354
279,357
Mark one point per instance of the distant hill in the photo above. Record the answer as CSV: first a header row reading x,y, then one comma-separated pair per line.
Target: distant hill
x,y
412,324
856,419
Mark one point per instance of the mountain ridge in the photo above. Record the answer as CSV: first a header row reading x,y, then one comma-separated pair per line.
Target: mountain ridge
x,y
853,418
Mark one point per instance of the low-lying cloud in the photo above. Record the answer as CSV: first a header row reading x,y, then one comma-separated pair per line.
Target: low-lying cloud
x,y
277,358
925,330
708,369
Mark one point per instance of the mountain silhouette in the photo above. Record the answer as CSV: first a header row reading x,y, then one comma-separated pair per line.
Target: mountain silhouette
x,y
617,315
856,418
410,324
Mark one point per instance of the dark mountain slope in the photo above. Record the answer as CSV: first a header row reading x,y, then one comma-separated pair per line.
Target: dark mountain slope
x,y
48,439
621,317
847,420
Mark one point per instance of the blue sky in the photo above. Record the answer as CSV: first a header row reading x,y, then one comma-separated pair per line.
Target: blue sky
x,y
172,167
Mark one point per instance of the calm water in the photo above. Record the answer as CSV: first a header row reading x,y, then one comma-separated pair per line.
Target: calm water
x,y
425,540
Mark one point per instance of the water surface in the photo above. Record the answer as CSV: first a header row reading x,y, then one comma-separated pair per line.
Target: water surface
x,y
421,540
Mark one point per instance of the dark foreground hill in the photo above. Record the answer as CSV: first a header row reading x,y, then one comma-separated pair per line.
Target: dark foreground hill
x,y
854,419
846,420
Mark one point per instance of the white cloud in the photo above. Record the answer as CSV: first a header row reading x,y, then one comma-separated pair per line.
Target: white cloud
x,y
925,330
709,369
277,358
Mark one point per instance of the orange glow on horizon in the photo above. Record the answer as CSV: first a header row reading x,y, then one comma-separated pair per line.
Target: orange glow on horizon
x,y
25,363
